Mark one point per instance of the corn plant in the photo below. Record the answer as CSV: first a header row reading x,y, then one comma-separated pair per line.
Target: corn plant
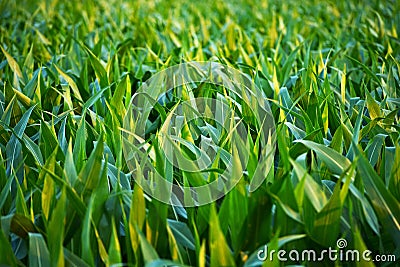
x,y
69,71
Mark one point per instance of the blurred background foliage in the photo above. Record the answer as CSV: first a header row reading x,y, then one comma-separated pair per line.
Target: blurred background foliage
x,y
68,69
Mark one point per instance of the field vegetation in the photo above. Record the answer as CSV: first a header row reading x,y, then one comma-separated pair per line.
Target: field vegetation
x,y
68,70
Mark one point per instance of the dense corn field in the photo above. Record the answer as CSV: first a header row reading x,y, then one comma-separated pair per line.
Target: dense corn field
x,y
330,71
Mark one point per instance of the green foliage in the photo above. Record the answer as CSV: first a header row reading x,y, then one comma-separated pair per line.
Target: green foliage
x,y
68,70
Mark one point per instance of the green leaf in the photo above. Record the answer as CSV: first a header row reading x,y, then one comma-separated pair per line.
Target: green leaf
x,y
202,255
114,251
78,204
70,174
374,148
14,67
164,263
90,173
273,244
238,201
101,194
373,107
21,206
13,147
94,98
337,140
8,258
156,230
33,148
356,133
79,151
327,222
220,253
311,188
73,260
182,234
73,86
394,182
148,252
360,246
138,208
86,237
38,253
335,161
386,206
55,231
137,217
175,252
48,139
98,68
5,192
117,99
48,192
287,209
366,69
